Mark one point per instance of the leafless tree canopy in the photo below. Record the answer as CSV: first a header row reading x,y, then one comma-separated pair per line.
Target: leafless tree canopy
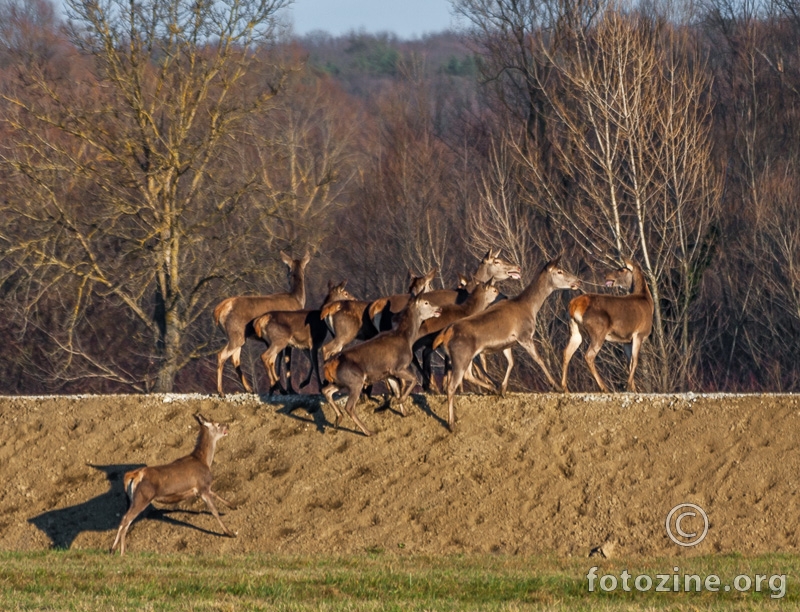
x,y
156,156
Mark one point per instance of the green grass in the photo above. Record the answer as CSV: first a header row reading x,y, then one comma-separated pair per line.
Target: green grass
x,y
94,580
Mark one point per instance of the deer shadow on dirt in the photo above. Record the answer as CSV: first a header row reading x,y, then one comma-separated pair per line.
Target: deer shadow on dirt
x,y
104,512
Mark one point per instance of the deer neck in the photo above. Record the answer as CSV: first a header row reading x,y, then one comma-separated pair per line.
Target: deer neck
x,y
472,303
481,276
639,284
205,447
409,323
537,292
299,287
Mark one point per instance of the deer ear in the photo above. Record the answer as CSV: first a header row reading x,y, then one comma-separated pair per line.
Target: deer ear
x,y
286,259
306,258
201,419
343,284
488,255
330,285
555,262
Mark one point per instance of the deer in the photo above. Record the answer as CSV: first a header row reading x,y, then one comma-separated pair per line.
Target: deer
x,y
184,478
614,318
234,315
483,294
491,267
387,355
301,329
498,328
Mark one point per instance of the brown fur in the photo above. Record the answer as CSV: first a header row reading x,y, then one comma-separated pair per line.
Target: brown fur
x,y
627,319
386,355
498,328
184,478
236,314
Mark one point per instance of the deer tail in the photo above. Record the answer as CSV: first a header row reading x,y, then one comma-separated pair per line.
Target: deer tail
x,y
260,323
330,369
131,480
222,311
443,337
376,310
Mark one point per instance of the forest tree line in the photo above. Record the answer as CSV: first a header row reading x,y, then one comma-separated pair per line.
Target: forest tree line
x,y
156,157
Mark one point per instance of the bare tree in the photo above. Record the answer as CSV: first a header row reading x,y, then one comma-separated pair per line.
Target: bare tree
x,y
633,123
119,157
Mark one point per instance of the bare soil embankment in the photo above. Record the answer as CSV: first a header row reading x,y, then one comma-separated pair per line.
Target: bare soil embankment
x,y
526,474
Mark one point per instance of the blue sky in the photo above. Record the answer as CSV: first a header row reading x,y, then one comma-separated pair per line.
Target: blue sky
x,y
406,18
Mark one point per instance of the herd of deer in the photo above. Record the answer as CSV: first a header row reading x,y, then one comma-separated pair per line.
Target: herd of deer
x,y
466,323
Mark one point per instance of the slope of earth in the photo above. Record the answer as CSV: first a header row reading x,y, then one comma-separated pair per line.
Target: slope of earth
x,y
525,474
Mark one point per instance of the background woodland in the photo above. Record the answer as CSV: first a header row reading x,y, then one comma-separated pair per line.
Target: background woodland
x,y
156,156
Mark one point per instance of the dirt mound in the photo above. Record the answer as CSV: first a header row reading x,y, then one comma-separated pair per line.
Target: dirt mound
x,y
527,474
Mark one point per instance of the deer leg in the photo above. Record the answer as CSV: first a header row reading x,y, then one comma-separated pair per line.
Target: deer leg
x,y
410,378
222,357
458,367
394,388
350,407
530,347
591,353
510,359
483,371
206,497
287,355
237,365
138,504
575,340
636,344
222,499
469,376
269,357
328,392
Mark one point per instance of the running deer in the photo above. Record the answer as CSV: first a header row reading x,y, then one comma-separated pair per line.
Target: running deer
x,y
300,329
386,355
184,478
498,328
478,300
491,267
617,318
234,315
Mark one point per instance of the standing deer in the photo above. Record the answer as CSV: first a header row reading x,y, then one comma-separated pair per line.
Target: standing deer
x,y
301,329
616,318
386,355
234,315
498,328
184,478
478,300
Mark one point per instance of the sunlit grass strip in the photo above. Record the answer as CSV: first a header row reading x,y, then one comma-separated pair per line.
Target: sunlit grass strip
x,y
93,580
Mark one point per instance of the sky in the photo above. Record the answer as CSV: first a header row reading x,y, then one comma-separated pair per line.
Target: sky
x,y
406,18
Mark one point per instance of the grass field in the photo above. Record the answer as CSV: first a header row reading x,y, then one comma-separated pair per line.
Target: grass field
x,y
93,580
